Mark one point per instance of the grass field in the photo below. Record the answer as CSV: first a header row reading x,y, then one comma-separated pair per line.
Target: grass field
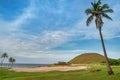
x,y
5,74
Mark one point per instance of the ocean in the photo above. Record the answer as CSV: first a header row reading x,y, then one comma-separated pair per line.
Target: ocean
x,y
17,65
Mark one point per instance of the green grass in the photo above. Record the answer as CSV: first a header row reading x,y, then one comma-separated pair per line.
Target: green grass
x,y
5,74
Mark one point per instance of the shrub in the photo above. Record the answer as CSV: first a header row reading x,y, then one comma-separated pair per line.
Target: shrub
x,y
94,67
61,63
114,62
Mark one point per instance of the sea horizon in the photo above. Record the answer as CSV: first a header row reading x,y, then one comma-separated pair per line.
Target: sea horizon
x,y
19,65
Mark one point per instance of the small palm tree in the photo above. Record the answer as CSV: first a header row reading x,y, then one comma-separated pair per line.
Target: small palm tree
x,y
98,12
4,55
11,61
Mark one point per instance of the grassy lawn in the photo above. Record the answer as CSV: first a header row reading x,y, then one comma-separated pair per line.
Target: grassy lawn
x,y
5,74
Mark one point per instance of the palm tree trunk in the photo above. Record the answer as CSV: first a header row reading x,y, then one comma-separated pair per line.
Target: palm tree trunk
x,y
9,65
110,72
12,65
2,62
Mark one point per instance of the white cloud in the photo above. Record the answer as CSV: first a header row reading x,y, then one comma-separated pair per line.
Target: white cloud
x,y
54,9
21,19
50,56
28,13
31,43
53,38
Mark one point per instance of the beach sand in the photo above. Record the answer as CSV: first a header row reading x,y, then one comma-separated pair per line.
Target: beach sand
x,y
47,69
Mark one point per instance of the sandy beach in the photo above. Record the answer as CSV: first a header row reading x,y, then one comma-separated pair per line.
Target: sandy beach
x,y
47,69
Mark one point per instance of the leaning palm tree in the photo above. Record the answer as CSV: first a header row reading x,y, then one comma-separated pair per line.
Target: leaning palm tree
x,y
4,55
11,61
98,12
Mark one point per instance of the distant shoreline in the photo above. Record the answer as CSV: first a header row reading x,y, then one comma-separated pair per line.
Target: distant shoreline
x,y
20,65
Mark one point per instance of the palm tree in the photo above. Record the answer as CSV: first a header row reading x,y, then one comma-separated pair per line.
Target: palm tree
x,y
11,60
98,12
4,55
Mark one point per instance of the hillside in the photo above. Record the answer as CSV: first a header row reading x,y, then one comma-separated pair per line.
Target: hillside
x,y
87,58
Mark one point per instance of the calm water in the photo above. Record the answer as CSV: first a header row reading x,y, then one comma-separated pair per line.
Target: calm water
x,y
25,65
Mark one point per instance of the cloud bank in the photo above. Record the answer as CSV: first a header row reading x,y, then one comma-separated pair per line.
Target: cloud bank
x,y
55,27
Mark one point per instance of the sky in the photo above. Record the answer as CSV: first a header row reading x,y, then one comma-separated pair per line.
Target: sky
x,y
48,31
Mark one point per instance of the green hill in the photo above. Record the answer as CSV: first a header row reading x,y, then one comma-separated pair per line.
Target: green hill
x,y
87,58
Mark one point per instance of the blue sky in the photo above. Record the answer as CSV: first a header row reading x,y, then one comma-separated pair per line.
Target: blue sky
x,y
45,31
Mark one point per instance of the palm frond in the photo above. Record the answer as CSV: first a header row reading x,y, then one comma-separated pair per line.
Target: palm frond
x,y
94,5
108,11
4,55
89,20
106,16
104,6
88,11
98,3
98,11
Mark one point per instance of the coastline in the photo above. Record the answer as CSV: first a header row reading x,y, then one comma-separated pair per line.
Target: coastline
x,y
21,65
48,68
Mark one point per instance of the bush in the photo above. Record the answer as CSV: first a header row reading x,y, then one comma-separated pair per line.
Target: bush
x,y
94,67
61,63
114,62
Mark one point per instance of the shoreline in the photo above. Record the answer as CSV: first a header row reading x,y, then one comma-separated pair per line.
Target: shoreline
x,y
21,65
49,68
